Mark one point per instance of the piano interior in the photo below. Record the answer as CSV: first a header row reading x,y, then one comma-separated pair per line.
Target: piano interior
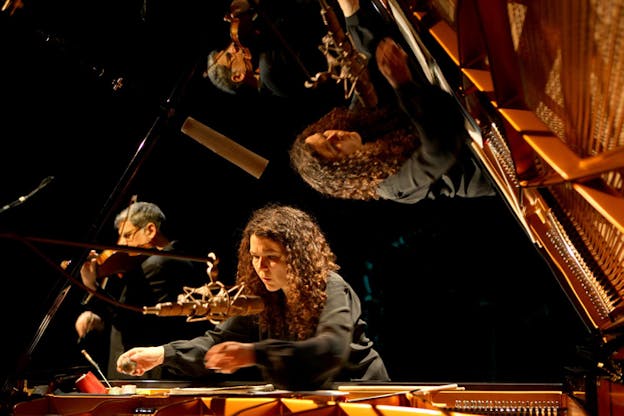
x,y
541,85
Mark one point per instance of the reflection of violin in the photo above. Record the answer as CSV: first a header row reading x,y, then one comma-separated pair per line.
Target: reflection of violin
x,y
12,6
241,66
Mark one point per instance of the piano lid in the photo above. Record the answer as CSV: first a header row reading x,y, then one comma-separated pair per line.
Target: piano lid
x,y
542,81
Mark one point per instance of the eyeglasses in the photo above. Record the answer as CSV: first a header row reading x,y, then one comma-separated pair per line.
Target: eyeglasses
x,y
128,235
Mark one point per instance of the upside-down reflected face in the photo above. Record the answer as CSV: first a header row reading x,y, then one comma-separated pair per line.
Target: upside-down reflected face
x,y
238,60
335,144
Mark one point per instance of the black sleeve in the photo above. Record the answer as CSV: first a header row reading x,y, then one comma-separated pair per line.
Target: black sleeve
x,y
186,357
436,116
367,27
312,363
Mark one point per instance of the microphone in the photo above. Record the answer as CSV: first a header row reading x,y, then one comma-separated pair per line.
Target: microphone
x,y
345,62
23,198
215,308
225,147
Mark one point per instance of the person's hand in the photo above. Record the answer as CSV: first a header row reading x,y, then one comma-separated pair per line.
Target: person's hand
x,y
349,7
392,62
88,271
86,322
229,356
138,360
238,7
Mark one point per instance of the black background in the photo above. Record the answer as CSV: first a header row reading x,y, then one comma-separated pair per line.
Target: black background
x,y
452,290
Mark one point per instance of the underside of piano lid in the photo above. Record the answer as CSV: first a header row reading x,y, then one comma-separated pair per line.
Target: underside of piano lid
x,y
543,83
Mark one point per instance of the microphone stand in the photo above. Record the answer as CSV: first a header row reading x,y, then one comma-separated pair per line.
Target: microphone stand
x,y
345,63
24,198
143,150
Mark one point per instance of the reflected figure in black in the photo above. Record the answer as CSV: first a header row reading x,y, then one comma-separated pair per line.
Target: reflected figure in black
x,y
274,48
408,150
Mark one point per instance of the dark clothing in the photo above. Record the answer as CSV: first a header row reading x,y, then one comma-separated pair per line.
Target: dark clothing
x,y
442,166
159,279
284,38
367,27
338,351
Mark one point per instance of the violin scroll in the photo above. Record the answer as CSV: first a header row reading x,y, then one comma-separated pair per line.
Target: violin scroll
x,y
242,67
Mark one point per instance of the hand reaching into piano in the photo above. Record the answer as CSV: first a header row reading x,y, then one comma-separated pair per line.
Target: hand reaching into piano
x,y
392,62
349,7
136,361
226,357
229,356
86,322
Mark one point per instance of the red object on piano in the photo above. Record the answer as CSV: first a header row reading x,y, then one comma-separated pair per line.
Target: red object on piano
x,y
89,383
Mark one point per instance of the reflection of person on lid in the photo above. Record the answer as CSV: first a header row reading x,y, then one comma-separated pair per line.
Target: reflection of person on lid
x,y
406,150
279,38
231,69
310,332
154,280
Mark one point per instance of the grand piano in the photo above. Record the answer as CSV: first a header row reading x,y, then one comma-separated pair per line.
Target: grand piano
x,y
540,83
539,80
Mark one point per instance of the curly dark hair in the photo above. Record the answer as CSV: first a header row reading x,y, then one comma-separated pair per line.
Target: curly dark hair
x,y
389,141
309,261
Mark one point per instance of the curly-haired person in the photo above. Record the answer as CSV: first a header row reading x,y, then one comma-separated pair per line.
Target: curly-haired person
x,y
310,333
404,151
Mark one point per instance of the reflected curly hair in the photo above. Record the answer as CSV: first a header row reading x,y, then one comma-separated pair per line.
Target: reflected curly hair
x,y
309,261
388,142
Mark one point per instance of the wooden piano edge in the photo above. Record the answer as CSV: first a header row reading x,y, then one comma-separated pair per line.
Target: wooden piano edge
x,y
364,400
399,397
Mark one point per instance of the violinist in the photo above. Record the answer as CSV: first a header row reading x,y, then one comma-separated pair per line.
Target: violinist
x,y
147,281
274,48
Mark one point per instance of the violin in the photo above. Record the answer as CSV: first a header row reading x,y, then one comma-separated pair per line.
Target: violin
x,y
111,262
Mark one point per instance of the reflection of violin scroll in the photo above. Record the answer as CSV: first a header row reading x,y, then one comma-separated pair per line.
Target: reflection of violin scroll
x,y
241,63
